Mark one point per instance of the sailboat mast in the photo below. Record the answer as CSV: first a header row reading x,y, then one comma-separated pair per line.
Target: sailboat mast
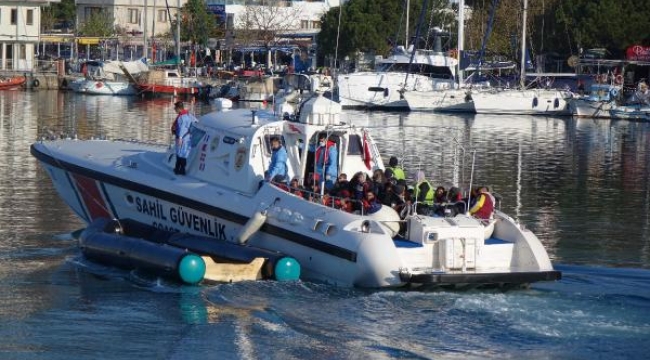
x,y
406,28
461,40
178,35
522,72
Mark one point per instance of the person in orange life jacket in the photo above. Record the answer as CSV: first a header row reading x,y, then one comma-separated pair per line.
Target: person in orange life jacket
x,y
484,205
326,161
277,171
181,131
398,172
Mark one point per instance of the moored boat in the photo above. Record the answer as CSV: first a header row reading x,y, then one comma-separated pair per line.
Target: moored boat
x,y
109,77
522,101
167,82
425,70
597,103
12,83
224,198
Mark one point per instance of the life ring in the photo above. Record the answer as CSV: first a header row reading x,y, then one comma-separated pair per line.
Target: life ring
x,y
36,83
618,79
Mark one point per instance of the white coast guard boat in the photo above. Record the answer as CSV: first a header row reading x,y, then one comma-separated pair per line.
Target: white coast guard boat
x,y
223,199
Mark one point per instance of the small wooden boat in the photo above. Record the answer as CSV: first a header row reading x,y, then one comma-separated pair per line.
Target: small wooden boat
x,y
167,82
12,83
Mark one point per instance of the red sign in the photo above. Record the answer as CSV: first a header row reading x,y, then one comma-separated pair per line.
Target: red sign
x,y
638,53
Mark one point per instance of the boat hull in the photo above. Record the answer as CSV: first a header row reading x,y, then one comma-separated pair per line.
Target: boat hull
x,y
440,101
521,102
98,87
587,108
382,90
13,83
155,89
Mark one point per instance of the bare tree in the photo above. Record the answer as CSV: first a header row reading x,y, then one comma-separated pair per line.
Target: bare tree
x,y
264,22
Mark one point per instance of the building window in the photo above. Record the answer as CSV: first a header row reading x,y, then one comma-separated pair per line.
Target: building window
x,y
304,24
14,16
90,11
162,15
315,24
30,17
134,16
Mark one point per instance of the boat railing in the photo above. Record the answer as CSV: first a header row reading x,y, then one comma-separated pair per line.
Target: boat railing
x,y
343,203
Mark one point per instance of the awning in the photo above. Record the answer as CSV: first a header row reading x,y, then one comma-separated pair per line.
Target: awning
x,y
55,39
88,40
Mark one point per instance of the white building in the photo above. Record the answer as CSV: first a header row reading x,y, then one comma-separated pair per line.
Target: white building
x,y
20,24
148,17
304,15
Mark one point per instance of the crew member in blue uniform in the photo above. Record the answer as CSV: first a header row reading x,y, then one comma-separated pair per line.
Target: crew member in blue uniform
x,y
278,168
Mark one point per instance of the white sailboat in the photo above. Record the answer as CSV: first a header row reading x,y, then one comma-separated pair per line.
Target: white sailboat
x,y
453,99
522,101
405,70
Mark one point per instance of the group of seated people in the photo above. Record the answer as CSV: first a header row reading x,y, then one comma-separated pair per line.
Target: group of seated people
x,y
365,195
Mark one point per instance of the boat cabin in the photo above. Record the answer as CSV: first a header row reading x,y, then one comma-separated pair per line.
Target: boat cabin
x,y
232,148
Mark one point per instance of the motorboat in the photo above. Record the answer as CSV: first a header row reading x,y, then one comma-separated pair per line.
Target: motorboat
x,y
597,103
108,77
224,199
402,71
167,82
638,111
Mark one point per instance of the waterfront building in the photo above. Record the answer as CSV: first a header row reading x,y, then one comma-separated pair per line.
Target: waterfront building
x,y
20,23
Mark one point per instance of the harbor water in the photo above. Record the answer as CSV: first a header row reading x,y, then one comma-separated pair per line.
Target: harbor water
x,y
581,185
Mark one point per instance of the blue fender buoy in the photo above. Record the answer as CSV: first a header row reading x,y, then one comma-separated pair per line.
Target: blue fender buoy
x,y
191,269
535,102
287,269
